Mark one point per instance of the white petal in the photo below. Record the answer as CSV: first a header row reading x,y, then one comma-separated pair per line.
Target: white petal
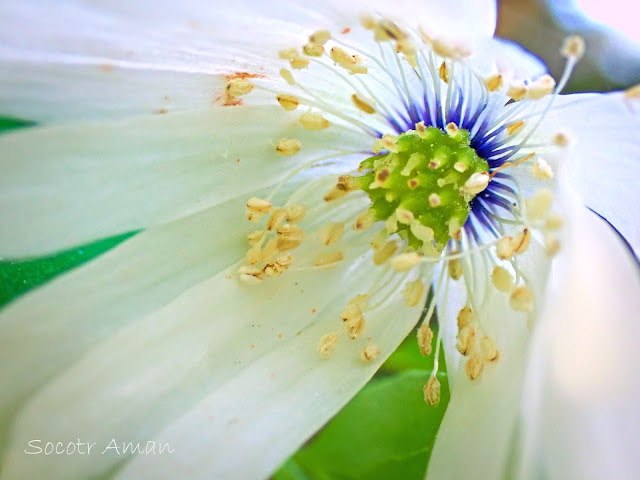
x,y
62,186
48,329
125,57
477,430
604,158
222,371
581,403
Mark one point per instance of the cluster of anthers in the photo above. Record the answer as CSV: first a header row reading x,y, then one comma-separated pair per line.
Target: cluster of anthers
x,y
440,178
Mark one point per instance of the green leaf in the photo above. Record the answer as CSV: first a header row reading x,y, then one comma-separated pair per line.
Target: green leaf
x,y
16,277
386,431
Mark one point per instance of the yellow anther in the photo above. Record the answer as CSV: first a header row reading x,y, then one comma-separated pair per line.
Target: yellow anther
x,y
632,92
473,367
288,102
539,204
521,299
425,338
475,184
334,194
451,50
541,87
257,208
443,72
421,232
505,248
313,121
327,344
465,315
274,269
432,391
288,53
299,63
408,48
370,352
364,220
346,60
355,327
542,170
561,139
455,269
465,340
385,253
521,240
514,127
368,22
573,47
387,30
295,213
413,292
502,279
455,229
362,104
269,250
554,222
328,258
489,349
347,183
552,245
288,146
331,233
253,254
288,76
257,236
379,240
405,261
320,37
289,237
517,91
313,49
494,82
276,218
238,87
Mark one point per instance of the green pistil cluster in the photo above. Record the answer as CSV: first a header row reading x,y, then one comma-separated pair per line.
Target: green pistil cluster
x,y
423,173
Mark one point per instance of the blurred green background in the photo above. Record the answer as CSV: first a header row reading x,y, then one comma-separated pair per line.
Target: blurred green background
x,y
387,430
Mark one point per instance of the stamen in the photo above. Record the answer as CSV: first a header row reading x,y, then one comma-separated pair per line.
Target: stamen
x,y
521,299
473,367
314,121
542,170
331,233
370,352
425,338
432,391
328,258
327,344
502,279
288,146
288,102
362,104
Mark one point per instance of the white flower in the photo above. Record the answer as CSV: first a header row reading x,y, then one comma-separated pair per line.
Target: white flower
x,y
189,336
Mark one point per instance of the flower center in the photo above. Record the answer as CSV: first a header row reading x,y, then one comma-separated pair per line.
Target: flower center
x,y
424,183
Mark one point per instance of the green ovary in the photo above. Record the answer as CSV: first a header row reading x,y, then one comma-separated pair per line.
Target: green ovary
x,y
432,162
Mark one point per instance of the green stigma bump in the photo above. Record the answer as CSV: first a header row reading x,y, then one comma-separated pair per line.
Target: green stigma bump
x,y
423,186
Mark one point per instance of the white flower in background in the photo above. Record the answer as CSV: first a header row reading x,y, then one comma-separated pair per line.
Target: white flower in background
x,y
303,175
